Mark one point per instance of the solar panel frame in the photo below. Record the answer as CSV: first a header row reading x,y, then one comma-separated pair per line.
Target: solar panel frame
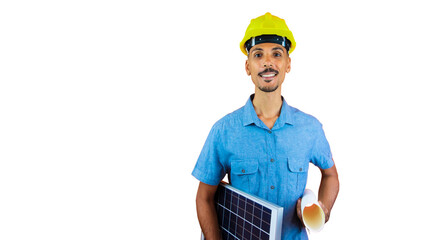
x,y
246,215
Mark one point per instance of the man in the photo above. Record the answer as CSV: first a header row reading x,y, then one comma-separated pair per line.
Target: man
x,y
265,147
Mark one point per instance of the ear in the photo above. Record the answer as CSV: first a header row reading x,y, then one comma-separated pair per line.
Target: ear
x,y
247,68
288,65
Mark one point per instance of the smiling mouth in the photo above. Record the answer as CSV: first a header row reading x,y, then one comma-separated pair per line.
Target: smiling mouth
x,y
268,74
268,77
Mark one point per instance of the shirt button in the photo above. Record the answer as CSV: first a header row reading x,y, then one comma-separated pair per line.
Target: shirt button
x,y
269,131
272,160
243,170
301,169
272,187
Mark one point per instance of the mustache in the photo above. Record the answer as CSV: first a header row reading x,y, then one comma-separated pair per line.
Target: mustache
x,y
268,70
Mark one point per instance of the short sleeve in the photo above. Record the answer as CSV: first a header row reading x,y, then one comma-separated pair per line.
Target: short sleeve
x,y
208,168
321,153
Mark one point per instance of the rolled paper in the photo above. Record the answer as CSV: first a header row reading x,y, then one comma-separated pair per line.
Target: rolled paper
x,y
312,213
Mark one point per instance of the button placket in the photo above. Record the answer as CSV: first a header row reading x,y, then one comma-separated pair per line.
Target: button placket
x,y
272,166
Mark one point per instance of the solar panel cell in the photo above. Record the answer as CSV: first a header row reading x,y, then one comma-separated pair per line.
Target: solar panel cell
x,y
265,226
227,199
264,236
256,232
256,221
247,233
258,212
234,200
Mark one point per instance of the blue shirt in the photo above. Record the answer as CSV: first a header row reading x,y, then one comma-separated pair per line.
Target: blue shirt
x,y
269,163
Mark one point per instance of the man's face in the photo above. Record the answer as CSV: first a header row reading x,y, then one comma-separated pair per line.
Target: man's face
x,y
267,65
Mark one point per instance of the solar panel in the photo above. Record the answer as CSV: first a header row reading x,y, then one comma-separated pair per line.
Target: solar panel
x,y
243,216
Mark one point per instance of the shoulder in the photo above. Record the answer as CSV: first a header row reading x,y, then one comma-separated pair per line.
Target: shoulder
x,y
304,119
232,119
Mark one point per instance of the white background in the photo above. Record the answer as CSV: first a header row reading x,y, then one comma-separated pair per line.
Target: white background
x,y
105,106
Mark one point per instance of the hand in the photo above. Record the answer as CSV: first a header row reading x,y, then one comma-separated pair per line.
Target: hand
x,y
326,211
324,208
299,213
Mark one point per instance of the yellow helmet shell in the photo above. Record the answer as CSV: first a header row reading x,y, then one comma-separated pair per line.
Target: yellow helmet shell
x,y
267,25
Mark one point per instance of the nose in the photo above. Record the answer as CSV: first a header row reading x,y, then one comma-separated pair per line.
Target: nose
x,y
267,62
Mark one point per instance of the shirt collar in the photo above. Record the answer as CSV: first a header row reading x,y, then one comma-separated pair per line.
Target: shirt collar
x,y
250,116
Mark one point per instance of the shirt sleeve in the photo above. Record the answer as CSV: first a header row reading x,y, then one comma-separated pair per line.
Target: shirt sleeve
x,y
321,153
208,168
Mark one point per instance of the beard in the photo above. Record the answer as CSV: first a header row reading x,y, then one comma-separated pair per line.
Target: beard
x,y
268,89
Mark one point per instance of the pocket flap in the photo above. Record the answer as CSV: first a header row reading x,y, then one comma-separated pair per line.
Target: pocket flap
x,y
244,167
297,165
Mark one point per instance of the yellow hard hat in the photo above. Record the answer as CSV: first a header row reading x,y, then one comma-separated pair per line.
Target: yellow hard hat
x,y
267,28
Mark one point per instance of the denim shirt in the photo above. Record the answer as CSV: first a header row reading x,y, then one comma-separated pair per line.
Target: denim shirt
x,y
269,163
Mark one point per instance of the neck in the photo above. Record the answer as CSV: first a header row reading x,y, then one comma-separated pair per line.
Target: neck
x,y
267,105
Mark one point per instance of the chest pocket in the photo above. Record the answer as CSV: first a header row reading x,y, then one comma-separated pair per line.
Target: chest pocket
x,y
244,174
298,174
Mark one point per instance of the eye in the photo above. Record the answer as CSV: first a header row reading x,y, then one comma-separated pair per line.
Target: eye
x,y
277,54
257,55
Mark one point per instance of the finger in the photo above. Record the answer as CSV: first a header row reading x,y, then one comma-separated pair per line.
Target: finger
x,y
325,210
322,206
299,209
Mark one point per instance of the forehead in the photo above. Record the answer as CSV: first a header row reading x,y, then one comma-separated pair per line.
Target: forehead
x,y
267,47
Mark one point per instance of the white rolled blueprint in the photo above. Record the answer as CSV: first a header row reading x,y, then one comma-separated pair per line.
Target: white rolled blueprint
x,y
313,215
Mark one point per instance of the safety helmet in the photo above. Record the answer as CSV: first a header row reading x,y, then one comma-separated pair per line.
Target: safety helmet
x,y
267,28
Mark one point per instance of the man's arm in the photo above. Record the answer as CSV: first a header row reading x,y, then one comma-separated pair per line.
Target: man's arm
x,y
207,215
328,190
